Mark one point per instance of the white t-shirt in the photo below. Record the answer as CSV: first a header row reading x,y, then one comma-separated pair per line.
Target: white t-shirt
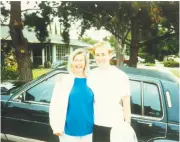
x,y
109,86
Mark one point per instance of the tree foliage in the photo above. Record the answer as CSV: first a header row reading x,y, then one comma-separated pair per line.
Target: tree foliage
x,y
88,40
140,18
135,24
40,20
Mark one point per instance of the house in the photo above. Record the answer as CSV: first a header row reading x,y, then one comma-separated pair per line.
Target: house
x,y
41,52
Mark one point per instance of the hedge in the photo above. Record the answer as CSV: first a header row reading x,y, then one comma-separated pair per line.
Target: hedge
x,y
171,63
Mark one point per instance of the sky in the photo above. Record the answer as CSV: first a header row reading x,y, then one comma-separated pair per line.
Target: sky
x,y
75,29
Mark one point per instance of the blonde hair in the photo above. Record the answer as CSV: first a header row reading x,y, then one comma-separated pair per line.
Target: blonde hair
x,y
73,55
101,44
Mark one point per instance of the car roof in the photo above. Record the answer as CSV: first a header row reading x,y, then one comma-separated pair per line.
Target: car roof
x,y
149,73
142,73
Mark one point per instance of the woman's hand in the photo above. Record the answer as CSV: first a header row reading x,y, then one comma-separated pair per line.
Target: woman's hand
x,y
58,134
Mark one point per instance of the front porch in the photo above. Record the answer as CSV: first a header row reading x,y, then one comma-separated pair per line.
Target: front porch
x,y
40,53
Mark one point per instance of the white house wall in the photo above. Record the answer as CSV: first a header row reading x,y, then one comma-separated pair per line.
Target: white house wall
x,y
71,49
43,56
31,56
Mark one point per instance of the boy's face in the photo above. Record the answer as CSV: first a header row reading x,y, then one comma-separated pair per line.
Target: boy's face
x,y
102,56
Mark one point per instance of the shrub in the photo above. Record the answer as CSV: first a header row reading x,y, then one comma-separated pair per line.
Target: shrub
x,y
171,63
142,55
112,62
9,73
65,63
47,64
41,67
148,58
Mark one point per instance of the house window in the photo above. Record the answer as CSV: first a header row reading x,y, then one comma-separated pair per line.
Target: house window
x,y
62,52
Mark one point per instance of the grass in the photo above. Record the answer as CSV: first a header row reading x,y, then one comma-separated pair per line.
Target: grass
x,y
176,72
39,72
149,64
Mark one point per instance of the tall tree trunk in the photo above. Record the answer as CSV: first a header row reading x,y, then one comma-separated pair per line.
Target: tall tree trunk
x,y
134,43
119,53
19,42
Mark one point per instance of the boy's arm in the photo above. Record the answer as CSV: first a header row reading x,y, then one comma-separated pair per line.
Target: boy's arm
x,y
127,109
126,101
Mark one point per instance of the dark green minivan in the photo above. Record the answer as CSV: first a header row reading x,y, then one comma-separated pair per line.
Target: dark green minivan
x,y
154,106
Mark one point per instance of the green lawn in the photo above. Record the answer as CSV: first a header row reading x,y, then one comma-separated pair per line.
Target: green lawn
x,y
176,72
39,72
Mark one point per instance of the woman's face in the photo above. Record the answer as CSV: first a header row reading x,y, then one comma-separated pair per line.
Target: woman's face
x,y
79,63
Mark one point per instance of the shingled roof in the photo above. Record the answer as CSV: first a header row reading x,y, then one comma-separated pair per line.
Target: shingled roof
x,y
31,36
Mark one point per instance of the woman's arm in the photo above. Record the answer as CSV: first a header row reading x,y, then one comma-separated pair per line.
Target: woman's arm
x,y
58,108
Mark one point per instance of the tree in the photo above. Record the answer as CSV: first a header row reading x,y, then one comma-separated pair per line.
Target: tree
x,y
88,40
132,23
50,29
112,40
141,18
117,17
101,14
55,30
165,37
19,42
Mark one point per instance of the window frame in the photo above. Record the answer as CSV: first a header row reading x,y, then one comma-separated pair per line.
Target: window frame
x,y
154,82
21,92
160,99
61,51
140,94
37,102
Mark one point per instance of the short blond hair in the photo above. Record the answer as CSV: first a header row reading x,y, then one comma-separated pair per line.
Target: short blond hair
x,y
73,55
101,44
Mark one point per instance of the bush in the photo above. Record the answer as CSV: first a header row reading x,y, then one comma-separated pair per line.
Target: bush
x,y
148,58
9,73
112,62
142,55
47,64
41,67
171,63
65,63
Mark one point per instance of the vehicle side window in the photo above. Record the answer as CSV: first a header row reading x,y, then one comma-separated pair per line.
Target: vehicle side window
x,y
42,92
136,97
152,105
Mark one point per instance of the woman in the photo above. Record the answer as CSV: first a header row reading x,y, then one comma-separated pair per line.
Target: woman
x,y
71,108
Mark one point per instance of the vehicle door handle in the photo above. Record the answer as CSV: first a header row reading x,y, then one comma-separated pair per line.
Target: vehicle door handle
x,y
149,124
